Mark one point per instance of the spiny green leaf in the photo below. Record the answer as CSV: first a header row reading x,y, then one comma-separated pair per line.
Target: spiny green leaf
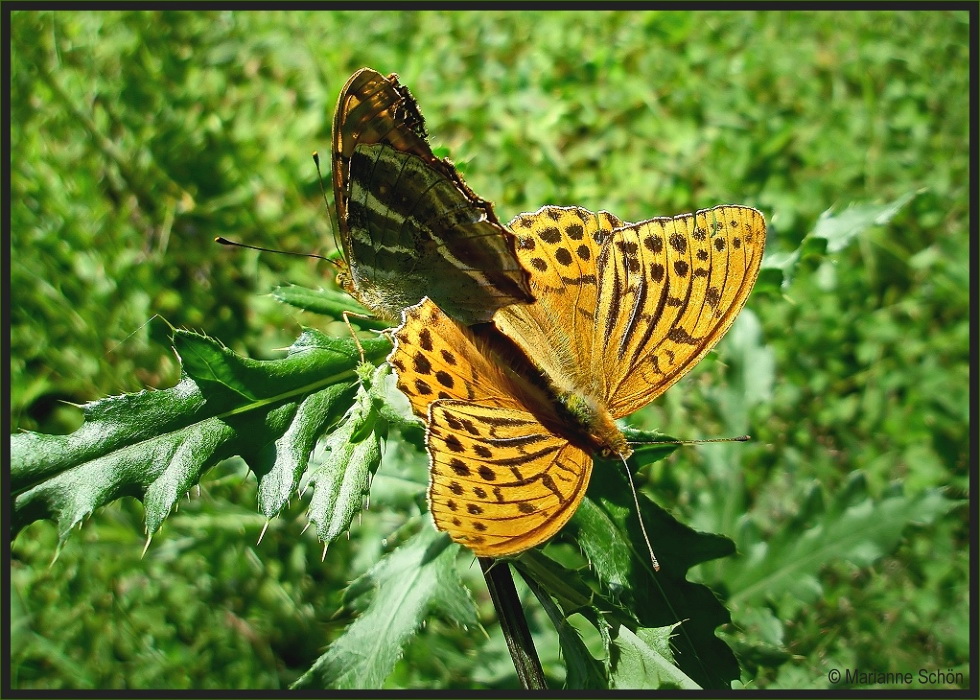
x,y
291,452
839,228
404,588
649,446
155,445
607,530
644,660
353,453
833,232
310,362
327,302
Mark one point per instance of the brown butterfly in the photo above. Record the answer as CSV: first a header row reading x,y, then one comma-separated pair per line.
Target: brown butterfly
x,y
409,225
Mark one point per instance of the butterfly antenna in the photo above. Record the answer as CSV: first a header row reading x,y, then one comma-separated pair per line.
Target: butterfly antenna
x,y
326,204
224,241
740,438
639,516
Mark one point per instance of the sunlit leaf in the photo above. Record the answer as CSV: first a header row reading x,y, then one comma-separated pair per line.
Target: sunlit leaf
x,y
155,445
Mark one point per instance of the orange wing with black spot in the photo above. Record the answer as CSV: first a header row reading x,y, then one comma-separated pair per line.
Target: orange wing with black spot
x,y
500,480
671,289
624,315
560,247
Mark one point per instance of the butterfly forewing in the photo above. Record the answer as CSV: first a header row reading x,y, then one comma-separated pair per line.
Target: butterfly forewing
x,y
559,246
409,224
679,282
623,319
373,108
412,231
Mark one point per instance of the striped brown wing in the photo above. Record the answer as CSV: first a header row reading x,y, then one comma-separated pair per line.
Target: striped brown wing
x,y
413,232
373,108
410,226
500,480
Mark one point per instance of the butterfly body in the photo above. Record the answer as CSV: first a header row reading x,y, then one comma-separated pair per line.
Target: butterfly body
x,y
409,225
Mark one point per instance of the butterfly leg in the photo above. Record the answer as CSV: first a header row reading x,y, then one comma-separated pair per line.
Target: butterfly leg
x,y
347,316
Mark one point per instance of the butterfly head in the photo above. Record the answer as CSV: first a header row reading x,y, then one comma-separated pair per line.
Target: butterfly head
x,y
345,279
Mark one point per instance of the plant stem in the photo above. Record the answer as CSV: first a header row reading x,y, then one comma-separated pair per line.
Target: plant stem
x,y
500,582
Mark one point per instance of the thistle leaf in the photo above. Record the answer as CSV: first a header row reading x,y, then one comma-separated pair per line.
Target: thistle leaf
x,y
156,445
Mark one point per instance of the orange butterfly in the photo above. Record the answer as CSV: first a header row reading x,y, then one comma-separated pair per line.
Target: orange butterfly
x,y
623,311
409,225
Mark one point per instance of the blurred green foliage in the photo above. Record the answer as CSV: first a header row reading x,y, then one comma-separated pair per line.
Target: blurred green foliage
x,y
137,137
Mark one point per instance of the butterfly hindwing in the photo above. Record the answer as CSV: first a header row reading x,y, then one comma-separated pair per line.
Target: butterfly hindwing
x,y
500,481
435,357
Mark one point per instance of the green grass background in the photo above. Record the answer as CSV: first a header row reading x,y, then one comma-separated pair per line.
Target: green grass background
x,y
137,137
